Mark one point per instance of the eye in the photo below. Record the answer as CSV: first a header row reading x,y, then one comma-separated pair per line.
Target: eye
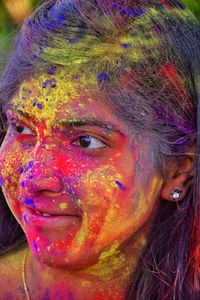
x,y
22,129
89,142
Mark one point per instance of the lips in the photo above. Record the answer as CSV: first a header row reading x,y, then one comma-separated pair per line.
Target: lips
x,y
51,205
50,220
51,214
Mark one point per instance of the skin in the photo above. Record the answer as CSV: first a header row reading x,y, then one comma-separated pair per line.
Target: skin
x,y
105,186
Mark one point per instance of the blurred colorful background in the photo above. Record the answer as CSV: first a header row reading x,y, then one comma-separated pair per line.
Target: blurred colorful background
x,y
12,13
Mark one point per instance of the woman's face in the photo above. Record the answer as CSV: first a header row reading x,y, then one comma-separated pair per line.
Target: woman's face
x,y
75,177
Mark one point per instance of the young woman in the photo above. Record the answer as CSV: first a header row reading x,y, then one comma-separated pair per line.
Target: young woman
x,y
100,162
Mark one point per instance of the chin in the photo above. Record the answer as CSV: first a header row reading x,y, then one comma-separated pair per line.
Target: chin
x,y
64,260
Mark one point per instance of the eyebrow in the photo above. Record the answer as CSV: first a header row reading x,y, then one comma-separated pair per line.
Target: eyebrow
x,y
73,124
90,122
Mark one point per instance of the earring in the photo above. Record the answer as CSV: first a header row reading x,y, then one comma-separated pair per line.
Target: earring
x,y
176,194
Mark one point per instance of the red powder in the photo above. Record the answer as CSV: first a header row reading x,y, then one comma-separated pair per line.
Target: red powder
x,y
66,166
197,258
166,4
63,245
170,71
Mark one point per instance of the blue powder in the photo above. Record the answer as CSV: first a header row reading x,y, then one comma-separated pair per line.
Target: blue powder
x,y
25,218
49,82
60,18
30,202
31,163
132,12
34,57
1,181
21,170
120,185
25,169
35,246
126,45
23,184
51,70
52,83
44,85
41,51
39,106
103,76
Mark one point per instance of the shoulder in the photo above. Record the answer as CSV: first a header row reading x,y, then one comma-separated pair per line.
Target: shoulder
x,y
11,274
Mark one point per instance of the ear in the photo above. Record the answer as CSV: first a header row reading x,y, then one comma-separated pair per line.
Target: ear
x,y
179,176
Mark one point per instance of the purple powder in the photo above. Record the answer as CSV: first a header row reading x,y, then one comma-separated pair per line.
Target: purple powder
x,y
29,202
120,185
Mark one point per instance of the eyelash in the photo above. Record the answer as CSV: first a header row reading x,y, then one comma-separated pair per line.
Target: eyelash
x,y
16,124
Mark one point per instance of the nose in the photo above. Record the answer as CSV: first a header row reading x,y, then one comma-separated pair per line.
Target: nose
x,y
40,179
40,184
40,174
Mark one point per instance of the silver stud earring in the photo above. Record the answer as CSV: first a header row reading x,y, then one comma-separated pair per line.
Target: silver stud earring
x,y
176,194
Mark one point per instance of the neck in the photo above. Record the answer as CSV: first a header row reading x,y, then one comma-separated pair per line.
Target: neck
x,y
107,279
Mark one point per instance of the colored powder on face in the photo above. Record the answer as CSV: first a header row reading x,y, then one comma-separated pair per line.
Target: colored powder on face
x,y
126,45
49,83
63,205
53,83
21,170
120,185
23,184
62,164
25,169
29,202
1,181
35,246
44,85
109,260
51,70
25,218
46,294
31,163
39,106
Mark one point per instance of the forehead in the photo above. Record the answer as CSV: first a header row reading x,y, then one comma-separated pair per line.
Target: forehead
x,y
51,93
60,97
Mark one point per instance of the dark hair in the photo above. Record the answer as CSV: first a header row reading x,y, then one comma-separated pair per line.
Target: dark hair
x,y
146,58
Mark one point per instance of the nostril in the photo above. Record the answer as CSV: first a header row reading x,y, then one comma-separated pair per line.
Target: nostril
x,y
50,184
43,184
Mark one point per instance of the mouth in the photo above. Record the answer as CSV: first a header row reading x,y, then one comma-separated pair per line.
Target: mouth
x,y
39,213
47,215
48,219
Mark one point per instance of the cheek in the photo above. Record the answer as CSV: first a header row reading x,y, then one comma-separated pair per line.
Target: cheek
x,y
11,162
103,194
117,200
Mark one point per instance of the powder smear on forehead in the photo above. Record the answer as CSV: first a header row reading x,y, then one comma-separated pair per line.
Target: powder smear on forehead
x,y
44,96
